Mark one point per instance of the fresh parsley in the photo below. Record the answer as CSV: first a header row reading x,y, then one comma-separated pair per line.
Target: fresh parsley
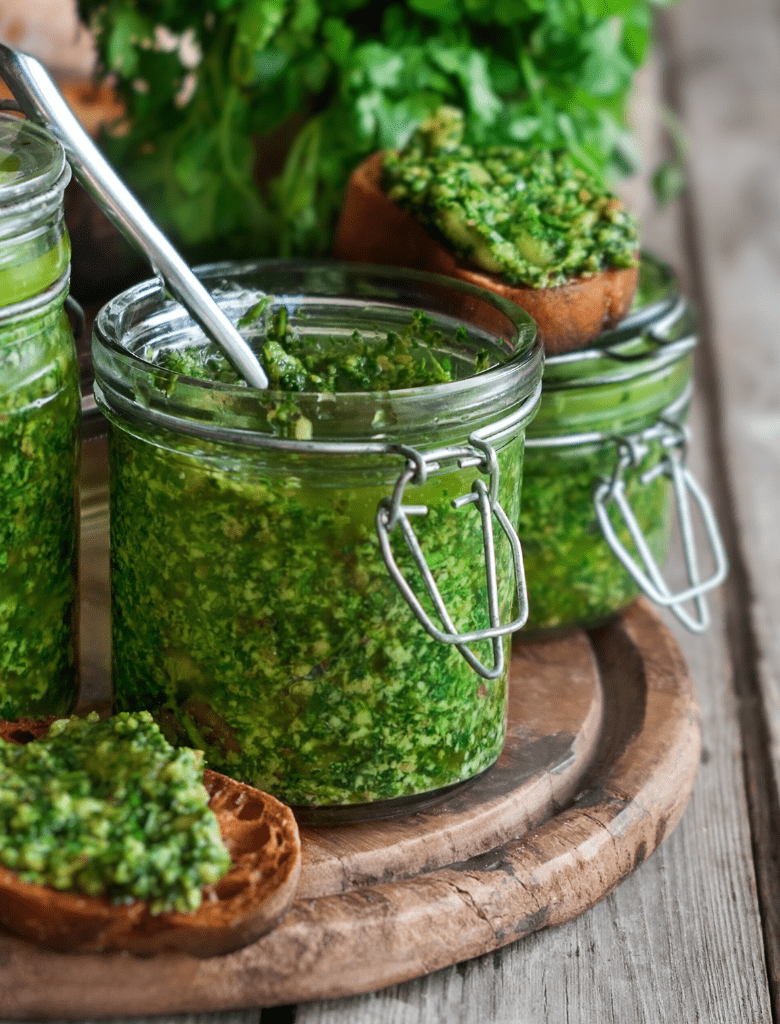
x,y
244,118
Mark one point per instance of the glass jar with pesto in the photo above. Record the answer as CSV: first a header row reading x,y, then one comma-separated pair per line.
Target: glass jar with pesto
x,y
605,475
39,426
315,583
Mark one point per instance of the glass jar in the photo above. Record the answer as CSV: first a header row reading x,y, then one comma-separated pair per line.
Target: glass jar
x,y
39,426
605,471
265,609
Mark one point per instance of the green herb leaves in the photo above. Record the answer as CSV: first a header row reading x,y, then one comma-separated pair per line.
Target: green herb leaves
x,y
246,116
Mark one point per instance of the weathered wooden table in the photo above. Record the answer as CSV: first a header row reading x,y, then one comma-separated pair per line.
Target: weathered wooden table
x,y
694,933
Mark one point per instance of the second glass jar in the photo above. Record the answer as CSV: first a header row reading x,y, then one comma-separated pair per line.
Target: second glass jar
x,y
611,424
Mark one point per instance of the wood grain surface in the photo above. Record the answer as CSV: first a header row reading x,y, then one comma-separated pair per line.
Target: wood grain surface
x,y
375,935
726,67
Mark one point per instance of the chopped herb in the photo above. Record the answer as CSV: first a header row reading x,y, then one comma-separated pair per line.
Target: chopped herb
x,y
295,361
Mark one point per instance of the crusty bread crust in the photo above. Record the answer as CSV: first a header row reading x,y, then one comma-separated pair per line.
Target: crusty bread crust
x,y
371,229
22,730
262,837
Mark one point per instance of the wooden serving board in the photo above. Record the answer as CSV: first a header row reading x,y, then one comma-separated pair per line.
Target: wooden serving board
x,y
602,755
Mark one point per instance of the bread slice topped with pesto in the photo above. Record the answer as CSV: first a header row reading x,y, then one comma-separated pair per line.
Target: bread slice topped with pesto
x,y
529,224
111,839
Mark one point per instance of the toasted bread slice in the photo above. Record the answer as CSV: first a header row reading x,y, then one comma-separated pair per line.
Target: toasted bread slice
x,y
262,837
372,229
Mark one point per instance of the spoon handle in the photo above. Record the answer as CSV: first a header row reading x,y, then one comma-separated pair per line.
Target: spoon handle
x,y
42,102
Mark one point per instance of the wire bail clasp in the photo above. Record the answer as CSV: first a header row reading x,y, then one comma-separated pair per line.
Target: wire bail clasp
x,y
391,512
648,576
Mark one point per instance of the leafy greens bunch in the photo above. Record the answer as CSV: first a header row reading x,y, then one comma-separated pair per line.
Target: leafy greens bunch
x,y
244,118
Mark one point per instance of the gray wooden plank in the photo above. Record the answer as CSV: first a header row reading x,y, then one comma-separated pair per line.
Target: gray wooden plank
x,y
726,61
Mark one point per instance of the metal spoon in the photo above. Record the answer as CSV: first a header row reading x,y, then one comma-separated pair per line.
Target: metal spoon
x,y
42,102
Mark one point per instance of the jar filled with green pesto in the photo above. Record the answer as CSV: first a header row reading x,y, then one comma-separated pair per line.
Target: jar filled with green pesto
x,y
39,428
605,476
315,583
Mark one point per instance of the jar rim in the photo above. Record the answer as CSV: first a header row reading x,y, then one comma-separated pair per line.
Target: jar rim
x,y
126,381
661,331
675,411
44,167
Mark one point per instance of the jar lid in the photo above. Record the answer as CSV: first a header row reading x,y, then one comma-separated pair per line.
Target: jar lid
x,y
31,160
660,329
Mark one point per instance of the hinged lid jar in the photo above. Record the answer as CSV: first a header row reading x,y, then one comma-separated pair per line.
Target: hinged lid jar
x,y
39,422
605,474
274,552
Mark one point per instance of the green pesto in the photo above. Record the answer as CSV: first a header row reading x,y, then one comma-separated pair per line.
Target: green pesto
x,y
573,575
532,216
110,809
402,359
39,458
254,616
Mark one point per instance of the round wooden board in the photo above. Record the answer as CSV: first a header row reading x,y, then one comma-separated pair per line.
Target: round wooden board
x,y
376,933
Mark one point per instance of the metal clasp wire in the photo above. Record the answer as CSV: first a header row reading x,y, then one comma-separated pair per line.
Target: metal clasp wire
x,y
631,451
392,512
